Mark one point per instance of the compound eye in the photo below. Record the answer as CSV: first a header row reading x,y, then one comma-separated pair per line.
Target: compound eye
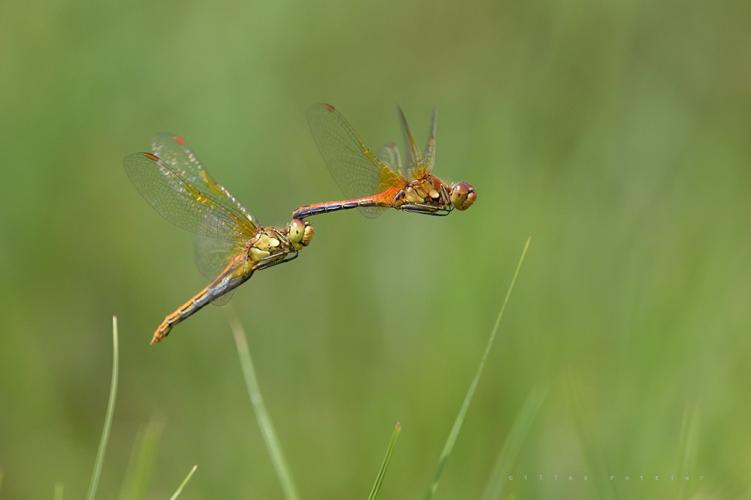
x,y
296,231
463,195
307,234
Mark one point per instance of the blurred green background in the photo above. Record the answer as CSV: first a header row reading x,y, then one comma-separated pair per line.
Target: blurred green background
x,y
616,134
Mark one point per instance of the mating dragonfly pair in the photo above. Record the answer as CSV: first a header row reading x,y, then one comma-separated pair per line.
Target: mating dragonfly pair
x,y
231,245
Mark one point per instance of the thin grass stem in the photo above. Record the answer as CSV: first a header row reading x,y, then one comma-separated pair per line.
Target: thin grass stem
x,y
385,464
513,443
59,490
688,448
141,465
182,485
262,415
456,428
107,417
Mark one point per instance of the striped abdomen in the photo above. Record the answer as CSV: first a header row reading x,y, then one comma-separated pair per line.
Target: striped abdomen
x,y
383,199
229,279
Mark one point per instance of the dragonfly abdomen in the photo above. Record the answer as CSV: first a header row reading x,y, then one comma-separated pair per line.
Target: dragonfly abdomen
x,y
378,200
225,282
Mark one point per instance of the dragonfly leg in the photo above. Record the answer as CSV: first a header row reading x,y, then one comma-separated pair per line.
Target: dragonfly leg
x,y
422,208
273,260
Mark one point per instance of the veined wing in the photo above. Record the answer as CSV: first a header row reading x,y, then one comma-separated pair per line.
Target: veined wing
x,y
429,154
175,152
418,164
389,154
183,203
357,169
414,157
212,256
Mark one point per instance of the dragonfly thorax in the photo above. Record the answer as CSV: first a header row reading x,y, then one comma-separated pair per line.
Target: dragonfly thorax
x,y
268,244
427,195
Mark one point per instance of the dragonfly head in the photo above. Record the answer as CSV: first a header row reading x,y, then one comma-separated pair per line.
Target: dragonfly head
x,y
300,233
463,195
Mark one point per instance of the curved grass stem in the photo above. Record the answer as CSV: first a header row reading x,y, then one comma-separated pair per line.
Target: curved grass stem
x,y
94,483
182,485
262,414
457,427
385,464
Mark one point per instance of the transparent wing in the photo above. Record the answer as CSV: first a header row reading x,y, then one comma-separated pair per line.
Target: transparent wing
x,y
183,203
175,152
371,212
429,154
389,154
223,299
414,157
355,168
213,256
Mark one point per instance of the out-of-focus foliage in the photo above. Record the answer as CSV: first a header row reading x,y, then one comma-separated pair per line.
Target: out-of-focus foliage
x,y
616,134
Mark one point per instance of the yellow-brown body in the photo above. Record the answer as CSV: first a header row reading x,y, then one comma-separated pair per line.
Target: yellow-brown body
x,y
270,246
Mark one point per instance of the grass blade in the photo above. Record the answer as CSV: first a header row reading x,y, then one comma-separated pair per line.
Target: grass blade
x,y
182,485
107,417
513,443
385,464
141,465
688,449
597,463
456,428
262,415
58,495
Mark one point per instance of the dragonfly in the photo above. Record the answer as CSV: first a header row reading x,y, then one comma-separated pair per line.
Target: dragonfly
x,y
230,243
373,181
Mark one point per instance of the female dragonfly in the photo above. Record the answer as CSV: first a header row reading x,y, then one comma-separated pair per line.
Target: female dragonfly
x,y
230,244
374,181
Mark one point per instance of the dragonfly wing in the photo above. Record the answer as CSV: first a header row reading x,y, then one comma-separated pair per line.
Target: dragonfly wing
x,y
223,299
181,190
213,255
175,152
414,157
389,154
182,202
429,155
371,212
358,170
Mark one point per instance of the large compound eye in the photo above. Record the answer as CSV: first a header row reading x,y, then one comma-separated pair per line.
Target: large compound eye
x,y
296,231
307,234
463,195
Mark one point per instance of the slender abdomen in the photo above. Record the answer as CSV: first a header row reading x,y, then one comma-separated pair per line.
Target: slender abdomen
x,y
384,199
226,281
